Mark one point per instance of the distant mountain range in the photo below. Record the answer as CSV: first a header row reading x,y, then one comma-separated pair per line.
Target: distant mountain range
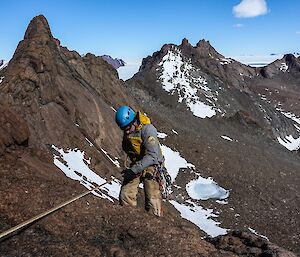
x,y
130,69
115,62
260,60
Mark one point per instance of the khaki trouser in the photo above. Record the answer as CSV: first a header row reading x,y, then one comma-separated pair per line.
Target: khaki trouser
x,y
153,199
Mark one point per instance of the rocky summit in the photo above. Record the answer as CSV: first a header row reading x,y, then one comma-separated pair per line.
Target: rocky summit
x,y
229,132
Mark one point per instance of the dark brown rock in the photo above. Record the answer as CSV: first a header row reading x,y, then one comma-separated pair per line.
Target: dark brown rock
x,y
185,42
247,244
13,129
54,89
38,28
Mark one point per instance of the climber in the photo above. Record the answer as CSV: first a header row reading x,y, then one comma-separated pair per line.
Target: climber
x,y
141,145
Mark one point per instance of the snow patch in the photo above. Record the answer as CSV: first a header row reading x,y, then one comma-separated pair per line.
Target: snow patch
x,y
1,79
290,142
179,76
200,217
290,115
206,188
197,189
225,61
284,67
227,138
174,162
222,202
202,110
75,166
161,135
3,64
115,162
174,131
254,232
90,143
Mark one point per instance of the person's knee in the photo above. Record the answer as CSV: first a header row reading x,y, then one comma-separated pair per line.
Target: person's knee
x,y
127,197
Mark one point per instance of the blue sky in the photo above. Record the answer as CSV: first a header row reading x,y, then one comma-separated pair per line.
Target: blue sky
x,y
133,29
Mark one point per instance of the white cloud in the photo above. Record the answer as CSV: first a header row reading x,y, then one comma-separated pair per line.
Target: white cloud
x,y
130,68
238,25
250,8
298,32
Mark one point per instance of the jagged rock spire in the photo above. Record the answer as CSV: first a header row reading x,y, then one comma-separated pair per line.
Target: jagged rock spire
x,y
184,42
205,48
38,27
204,44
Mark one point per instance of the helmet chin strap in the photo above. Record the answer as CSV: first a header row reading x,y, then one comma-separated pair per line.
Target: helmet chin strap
x,y
132,129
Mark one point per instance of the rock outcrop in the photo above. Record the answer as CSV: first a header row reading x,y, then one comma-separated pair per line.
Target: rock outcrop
x,y
54,102
206,97
247,244
13,129
59,93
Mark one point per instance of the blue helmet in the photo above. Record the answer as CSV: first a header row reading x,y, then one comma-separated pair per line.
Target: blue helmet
x,y
124,116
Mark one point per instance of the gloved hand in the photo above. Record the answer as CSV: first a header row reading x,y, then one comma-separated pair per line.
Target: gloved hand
x,y
128,174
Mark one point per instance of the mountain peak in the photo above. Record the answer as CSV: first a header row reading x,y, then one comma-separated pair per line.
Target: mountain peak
x,y
203,44
38,27
290,57
185,42
204,48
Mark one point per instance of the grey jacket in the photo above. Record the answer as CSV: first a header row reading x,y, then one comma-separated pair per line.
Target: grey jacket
x,y
151,153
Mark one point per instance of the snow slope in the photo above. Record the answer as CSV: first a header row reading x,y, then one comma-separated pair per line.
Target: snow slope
x,y
75,165
180,76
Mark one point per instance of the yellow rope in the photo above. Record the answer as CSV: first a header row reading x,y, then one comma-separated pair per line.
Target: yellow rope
x,y
55,208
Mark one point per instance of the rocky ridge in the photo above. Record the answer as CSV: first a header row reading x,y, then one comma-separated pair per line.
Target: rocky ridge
x,y
218,86
208,100
52,98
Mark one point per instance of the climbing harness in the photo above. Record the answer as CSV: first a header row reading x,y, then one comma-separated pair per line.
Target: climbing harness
x,y
164,180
